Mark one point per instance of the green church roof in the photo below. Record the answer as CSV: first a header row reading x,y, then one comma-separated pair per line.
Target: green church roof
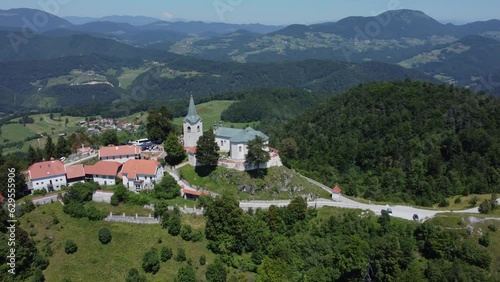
x,y
192,116
246,135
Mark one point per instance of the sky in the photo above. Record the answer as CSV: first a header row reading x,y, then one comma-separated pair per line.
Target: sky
x,y
263,11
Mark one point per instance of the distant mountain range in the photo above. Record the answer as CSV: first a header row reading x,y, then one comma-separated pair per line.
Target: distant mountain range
x,y
132,20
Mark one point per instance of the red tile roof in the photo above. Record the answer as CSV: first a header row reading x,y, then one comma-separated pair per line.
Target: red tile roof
x,y
194,193
119,151
103,168
46,169
142,167
336,189
75,171
191,150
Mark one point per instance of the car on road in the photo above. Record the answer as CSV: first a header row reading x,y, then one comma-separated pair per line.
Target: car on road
x,y
389,210
415,217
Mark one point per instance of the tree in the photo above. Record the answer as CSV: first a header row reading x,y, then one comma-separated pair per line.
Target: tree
x,y
174,224
62,147
289,148
109,137
70,246
11,166
275,270
66,122
134,276
167,188
203,260
34,155
159,124
50,149
186,274
166,253
104,235
181,255
207,150
175,151
216,272
256,153
151,261
186,232
225,225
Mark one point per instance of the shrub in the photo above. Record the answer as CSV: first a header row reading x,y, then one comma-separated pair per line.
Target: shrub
x,y
166,253
186,232
70,247
55,220
485,240
134,276
443,203
181,255
203,260
492,228
458,200
104,235
473,201
151,261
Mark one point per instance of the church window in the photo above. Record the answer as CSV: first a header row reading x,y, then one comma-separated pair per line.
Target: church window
x,y
222,142
189,129
198,128
240,148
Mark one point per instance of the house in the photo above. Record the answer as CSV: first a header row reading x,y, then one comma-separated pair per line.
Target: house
x,y
119,154
75,174
235,141
192,194
103,172
336,192
49,175
138,175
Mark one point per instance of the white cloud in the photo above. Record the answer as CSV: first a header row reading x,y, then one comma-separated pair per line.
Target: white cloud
x,y
167,15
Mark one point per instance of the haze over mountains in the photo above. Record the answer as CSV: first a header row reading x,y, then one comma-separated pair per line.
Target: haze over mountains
x,y
398,43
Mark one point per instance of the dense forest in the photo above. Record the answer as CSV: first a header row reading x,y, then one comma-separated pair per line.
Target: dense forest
x,y
399,141
294,243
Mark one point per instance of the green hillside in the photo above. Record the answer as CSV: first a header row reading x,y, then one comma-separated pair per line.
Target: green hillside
x,y
399,141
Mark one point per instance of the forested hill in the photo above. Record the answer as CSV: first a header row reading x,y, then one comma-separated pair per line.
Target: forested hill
x,y
411,141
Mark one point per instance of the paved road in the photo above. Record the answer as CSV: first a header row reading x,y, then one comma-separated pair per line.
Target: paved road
x,y
405,212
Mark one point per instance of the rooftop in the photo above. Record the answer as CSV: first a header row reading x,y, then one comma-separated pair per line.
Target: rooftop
x,y
103,168
142,167
119,151
192,116
75,171
248,134
46,169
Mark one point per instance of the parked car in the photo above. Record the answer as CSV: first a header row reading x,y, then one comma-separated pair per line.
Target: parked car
x,y
389,210
415,217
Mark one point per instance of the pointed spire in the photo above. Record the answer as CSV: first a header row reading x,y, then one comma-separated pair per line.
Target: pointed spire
x,y
192,116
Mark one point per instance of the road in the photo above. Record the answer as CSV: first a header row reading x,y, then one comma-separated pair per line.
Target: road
x,y
405,212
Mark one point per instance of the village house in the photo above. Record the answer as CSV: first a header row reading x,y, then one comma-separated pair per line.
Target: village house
x,y
49,175
103,172
119,154
75,174
138,175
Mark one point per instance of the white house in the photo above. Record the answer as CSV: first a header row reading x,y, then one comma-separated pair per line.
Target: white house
x,y
141,175
192,126
103,172
119,154
49,175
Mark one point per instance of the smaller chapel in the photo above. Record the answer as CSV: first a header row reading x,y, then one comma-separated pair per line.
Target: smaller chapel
x,y
232,141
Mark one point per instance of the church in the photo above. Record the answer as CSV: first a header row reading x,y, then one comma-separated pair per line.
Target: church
x,y
231,141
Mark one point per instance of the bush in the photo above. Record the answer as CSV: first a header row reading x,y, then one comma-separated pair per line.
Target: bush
x,y
151,261
104,235
186,232
28,207
458,200
197,236
492,228
443,203
134,276
41,192
55,220
473,201
166,253
114,201
70,247
203,260
485,240
94,213
181,255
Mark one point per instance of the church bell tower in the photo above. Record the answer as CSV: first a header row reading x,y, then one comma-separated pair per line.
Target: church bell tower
x,y
193,126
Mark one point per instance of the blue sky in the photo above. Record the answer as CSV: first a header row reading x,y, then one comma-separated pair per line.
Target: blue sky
x,y
263,11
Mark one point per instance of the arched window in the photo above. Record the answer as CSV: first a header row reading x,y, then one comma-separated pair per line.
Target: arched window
x,y
189,129
239,148
221,143
198,128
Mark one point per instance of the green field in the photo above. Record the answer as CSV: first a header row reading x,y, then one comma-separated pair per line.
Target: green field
x,y
129,75
210,113
279,183
125,251
15,132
